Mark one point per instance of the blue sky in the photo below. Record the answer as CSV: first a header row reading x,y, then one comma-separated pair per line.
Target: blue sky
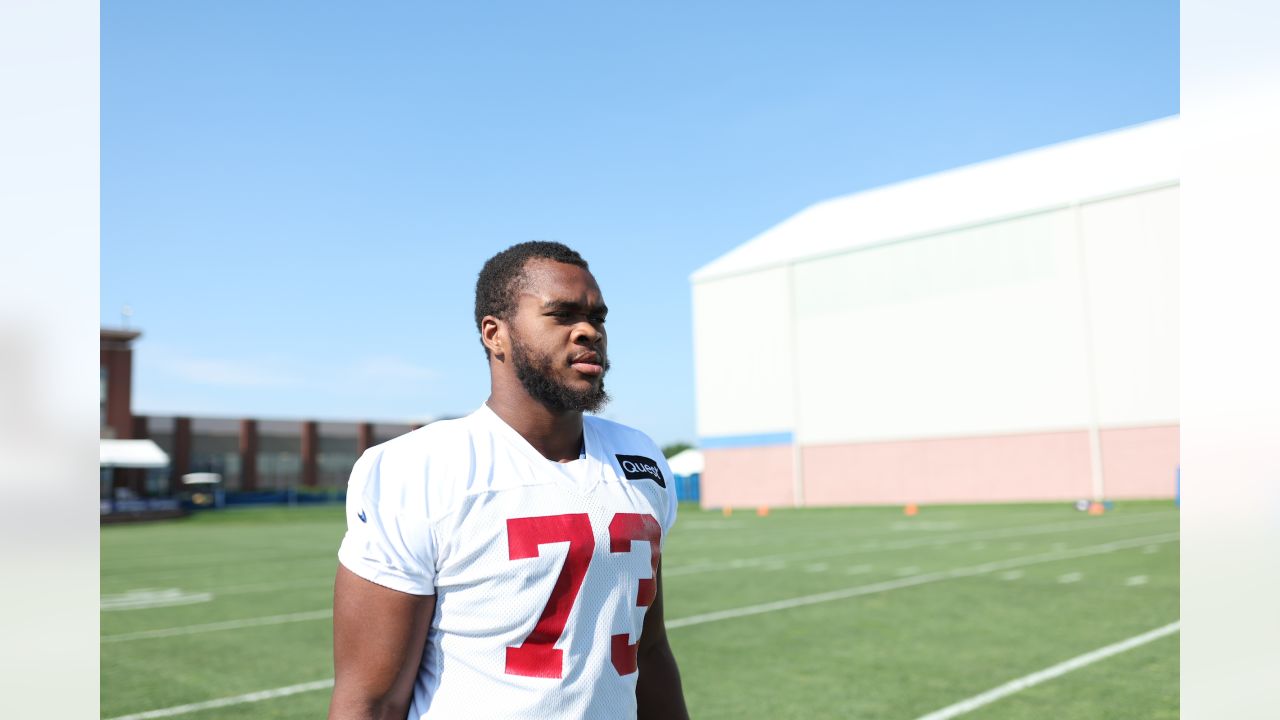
x,y
297,196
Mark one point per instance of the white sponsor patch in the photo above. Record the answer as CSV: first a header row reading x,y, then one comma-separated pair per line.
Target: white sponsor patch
x,y
144,598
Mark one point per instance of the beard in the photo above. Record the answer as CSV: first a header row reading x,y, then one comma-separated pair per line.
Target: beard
x,y
537,373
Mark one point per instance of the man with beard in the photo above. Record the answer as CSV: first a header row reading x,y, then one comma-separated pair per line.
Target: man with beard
x,y
507,564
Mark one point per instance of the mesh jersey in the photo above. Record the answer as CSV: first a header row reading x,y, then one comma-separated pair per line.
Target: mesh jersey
x,y
542,571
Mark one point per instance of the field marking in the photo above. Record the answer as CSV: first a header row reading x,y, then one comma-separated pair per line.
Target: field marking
x,y
216,626
1068,526
878,538
1136,580
923,526
210,560
932,577
1062,668
723,615
233,700
826,535
1011,575
1071,577
909,581
251,588
147,598
713,525
858,569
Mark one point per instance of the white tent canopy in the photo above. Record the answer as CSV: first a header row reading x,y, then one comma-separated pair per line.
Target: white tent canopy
x,y
686,463
131,454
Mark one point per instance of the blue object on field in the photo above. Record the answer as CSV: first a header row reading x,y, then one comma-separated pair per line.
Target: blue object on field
x,y
688,487
282,497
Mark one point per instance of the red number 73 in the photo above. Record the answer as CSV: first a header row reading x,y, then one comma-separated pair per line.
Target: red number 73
x,y
537,656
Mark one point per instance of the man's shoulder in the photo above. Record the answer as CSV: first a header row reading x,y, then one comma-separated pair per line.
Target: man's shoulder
x,y
433,440
620,437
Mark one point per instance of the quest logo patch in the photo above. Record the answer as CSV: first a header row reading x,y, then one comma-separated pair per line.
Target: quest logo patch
x,y
639,467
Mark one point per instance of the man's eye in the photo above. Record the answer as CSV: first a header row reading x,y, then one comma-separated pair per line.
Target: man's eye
x,y
598,318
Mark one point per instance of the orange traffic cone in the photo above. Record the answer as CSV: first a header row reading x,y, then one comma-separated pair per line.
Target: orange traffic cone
x,y
763,511
1095,508
728,511
911,510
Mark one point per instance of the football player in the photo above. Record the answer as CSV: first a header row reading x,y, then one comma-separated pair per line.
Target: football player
x,y
508,564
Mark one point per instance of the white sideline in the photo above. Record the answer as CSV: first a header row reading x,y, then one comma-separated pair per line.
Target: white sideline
x,y
224,702
724,614
860,548
1050,673
215,626
914,580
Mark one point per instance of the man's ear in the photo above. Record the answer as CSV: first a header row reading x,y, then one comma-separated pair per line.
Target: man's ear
x,y
493,333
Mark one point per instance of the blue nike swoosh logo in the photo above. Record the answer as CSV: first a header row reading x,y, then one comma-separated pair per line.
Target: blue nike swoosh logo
x,y
362,517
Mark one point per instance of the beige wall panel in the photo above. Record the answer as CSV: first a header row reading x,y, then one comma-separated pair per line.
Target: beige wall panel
x,y
1131,245
972,332
742,342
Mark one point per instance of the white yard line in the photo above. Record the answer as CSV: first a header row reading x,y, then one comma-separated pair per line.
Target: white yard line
x,y
847,537
1018,531
685,622
233,700
914,580
216,626
1049,673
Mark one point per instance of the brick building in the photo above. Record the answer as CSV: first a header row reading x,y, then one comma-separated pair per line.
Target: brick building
x,y
251,454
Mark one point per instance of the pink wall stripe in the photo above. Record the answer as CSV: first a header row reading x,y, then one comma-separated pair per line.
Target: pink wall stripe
x,y
1137,463
1140,462
747,477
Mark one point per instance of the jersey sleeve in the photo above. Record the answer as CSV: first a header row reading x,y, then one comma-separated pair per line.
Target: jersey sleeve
x,y
388,540
672,501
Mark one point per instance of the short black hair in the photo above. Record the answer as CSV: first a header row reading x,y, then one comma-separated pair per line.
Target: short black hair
x,y
500,278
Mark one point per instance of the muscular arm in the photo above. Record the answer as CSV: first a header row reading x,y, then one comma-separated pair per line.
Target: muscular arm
x,y
378,638
658,691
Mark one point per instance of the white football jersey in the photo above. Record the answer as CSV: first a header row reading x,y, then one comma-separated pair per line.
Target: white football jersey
x,y
542,571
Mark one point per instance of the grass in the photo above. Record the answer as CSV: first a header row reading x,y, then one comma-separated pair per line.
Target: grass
x,y
897,653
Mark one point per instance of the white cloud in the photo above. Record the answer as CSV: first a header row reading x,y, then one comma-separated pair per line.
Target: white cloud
x,y
392,368
216,371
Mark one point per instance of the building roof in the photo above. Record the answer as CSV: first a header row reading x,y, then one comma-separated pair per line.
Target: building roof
x,y
118,334
1094,167
131,454
686,463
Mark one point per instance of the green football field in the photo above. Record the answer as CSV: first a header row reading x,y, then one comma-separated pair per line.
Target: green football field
x,y
818,613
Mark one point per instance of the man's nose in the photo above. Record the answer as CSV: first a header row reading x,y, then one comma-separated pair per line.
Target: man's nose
x,y
586,332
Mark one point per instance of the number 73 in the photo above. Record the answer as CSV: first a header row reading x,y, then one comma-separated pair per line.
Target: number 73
x,y
537,656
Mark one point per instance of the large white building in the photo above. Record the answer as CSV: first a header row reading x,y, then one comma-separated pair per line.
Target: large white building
x,y
1003,331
